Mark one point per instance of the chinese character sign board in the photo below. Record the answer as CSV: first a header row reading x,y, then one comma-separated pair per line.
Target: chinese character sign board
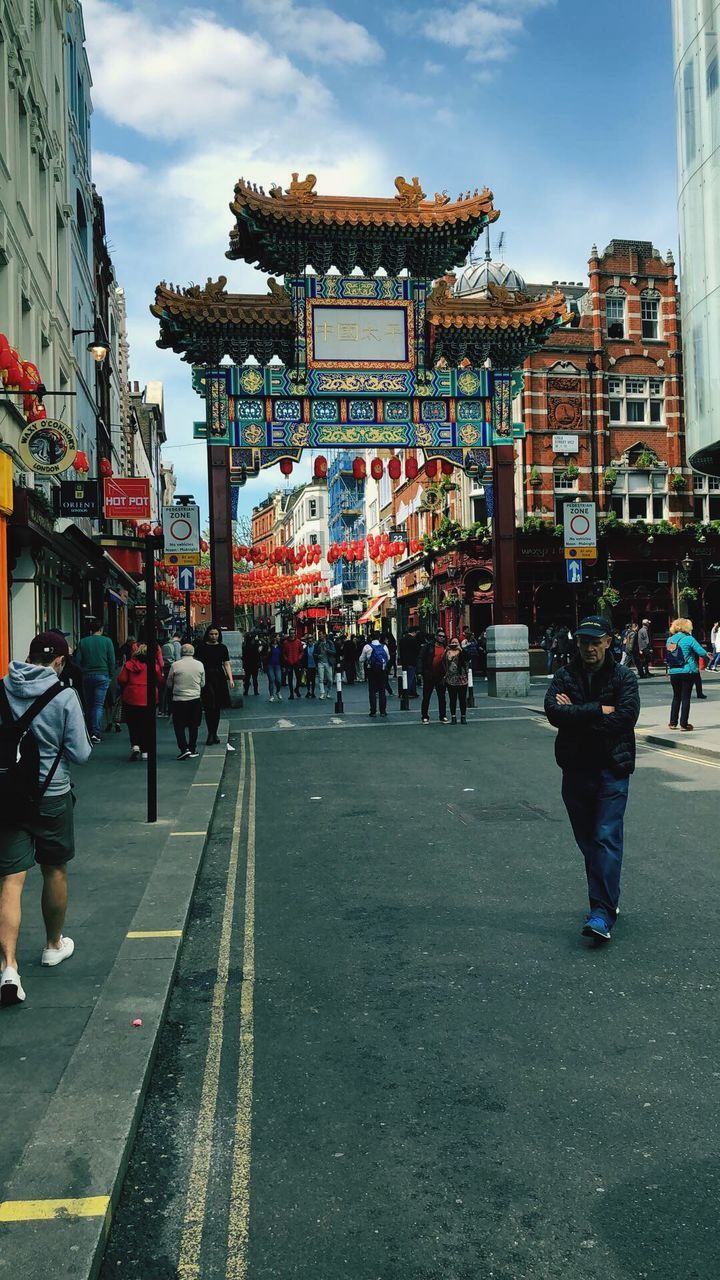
x,y
346,334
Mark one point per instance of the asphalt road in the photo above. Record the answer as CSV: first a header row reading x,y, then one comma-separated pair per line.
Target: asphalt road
x,y
390,1055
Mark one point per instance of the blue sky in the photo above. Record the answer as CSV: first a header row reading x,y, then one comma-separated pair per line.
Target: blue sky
x,y
563,108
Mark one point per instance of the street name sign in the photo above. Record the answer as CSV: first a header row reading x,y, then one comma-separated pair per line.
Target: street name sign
x,y
565,444
186,578
126,498
579,524
181,529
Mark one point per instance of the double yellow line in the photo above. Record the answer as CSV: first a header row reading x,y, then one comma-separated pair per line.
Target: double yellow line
x,y
197,1192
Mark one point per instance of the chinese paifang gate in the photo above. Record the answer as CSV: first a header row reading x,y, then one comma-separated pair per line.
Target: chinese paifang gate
x,y
393,361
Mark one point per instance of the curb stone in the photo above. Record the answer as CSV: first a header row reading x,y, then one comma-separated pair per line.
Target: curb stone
x,y
84,1144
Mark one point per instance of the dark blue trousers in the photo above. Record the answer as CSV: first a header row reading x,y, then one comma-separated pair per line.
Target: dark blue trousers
x,y
596,803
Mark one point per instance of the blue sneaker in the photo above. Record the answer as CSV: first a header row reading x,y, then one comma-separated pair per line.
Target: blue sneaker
x,y
596,927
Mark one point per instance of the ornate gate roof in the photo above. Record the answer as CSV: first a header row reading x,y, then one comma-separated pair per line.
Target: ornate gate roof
x,y
286,231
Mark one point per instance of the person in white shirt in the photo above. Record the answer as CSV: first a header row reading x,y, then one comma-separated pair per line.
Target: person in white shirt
x,y
185,682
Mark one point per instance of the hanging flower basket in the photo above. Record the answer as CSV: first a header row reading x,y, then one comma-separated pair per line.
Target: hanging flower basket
x,y
610,478
535,479
678,483
571,471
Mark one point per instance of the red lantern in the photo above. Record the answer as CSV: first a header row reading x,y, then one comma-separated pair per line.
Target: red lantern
x,y
286,466
320,468
376,468
411,468
446,467
359,469
106,468
394,468
203,545
81,462
431,467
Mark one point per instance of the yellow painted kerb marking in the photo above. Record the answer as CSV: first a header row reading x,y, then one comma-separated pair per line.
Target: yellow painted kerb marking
x,y
51,1210
197,1191
239,1218
155,933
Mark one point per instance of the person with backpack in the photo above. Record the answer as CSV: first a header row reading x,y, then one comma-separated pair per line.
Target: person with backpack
x,y
375,658
682,653
42,731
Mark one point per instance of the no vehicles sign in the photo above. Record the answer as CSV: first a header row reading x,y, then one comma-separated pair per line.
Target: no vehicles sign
x,y
579,524
181,529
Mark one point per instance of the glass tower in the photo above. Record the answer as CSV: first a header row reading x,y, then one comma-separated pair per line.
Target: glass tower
x,y
696,25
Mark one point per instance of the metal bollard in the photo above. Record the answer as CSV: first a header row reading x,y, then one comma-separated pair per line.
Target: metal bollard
x,y
339,708
471,690
402,690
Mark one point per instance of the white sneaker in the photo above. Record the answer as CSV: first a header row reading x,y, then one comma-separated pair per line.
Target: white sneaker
x,y
271,698
11,991
143,755
56,955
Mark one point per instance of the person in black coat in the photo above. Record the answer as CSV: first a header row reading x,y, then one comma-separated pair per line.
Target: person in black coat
x,y
594,704
408,653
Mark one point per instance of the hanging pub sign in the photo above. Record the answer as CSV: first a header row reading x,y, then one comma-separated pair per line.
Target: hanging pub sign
x,y
48,447
79,498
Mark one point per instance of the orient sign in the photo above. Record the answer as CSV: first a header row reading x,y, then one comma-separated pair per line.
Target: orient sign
x,y
127,498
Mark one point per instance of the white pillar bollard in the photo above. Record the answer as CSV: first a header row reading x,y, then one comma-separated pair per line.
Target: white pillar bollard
x,y
339,708
508,661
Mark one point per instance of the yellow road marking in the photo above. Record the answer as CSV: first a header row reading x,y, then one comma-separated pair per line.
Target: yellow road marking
x,y
239,1220
47,1210
155,933
194,1221
188,833
203,784
680,755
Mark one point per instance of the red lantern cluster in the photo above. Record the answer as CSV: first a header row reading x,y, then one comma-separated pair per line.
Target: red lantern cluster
x,y
82,466
21,375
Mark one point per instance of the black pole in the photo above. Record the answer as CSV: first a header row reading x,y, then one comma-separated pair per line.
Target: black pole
x,y
151,643
591,370
187,615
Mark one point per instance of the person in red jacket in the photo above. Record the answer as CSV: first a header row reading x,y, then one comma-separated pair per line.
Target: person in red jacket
x,y
292,655
132,680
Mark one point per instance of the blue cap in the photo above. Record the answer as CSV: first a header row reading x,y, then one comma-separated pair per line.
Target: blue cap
x,y
594,627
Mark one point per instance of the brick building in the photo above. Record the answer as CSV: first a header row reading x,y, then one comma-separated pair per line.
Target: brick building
x,y
602,407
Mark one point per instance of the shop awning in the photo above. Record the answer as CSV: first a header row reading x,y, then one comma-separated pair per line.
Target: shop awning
x,y
374,607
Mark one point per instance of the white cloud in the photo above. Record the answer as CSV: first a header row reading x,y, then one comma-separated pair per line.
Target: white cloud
x,y
184,79
315,33
116,174
485,30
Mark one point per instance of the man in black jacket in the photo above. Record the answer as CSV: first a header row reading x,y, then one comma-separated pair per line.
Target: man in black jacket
x,y
408,652
594,704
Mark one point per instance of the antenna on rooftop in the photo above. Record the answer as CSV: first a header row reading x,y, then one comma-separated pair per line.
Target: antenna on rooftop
x,y
488,255
500,244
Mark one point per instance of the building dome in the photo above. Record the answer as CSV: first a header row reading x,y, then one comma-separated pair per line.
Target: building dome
x,y
476,276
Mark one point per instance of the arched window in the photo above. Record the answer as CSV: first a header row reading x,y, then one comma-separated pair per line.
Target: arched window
x,y
615,313
650,313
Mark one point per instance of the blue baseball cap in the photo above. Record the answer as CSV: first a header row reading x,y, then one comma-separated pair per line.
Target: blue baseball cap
x,y
594,627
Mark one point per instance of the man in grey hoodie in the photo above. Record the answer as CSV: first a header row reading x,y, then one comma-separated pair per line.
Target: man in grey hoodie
x,y
44,833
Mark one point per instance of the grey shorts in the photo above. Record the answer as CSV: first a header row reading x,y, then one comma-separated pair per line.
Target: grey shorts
x,y
46,836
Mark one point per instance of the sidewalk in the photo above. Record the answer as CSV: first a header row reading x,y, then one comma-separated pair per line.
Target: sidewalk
x,y
74,1069
656,696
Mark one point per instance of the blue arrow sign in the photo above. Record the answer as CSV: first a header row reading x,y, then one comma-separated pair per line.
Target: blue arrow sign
x,y
186,578
574,570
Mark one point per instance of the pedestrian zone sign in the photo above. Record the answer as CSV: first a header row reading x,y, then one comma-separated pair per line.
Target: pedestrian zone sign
x,y
579,524
181,529
574,571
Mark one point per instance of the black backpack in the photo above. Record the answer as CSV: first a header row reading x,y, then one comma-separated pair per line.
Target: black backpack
x,y
20,787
